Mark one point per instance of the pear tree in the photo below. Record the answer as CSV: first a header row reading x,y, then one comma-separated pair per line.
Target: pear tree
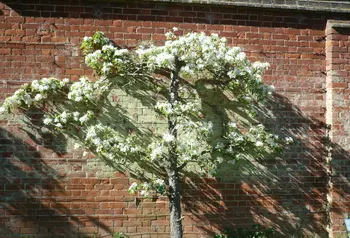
x,y
166,80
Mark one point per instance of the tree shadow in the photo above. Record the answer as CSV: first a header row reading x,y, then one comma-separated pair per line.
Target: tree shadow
x,y
341,188
126,110
36,198
287,193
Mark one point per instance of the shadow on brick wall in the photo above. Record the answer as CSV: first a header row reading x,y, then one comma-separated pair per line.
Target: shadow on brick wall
x,y
286,193
33,194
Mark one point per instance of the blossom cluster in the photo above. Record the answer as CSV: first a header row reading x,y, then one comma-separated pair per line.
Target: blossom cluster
x,y
255,142
196,50
194,56
157,150
90,44
146,188
33,94
107,141
85,91
209,57
39,91
61,119
103,57
194,143
179,108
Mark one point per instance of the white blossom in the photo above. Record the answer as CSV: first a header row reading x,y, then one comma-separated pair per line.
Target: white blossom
x,y
64,117
259,143
233,124
76,116
220,160
133,186
47,121
156,153
241,56
76,146
260,66
86,38
38,97
144,193
83,119
108,47
168,137
219,146
59,125
160,182
270,89
121,52
289,140
165,60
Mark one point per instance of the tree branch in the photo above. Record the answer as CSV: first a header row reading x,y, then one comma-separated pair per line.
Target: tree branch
x,y
183,165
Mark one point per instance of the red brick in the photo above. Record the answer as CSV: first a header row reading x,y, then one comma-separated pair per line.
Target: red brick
x,y
297,53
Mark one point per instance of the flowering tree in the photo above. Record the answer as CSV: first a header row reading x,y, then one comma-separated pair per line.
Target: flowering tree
x,y
189,141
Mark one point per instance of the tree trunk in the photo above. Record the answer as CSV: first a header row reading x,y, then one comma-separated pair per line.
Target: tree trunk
x,y
173,173
175,206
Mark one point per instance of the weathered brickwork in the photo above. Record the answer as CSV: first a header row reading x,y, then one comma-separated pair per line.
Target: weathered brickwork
x,y
321,5
50,194
338,65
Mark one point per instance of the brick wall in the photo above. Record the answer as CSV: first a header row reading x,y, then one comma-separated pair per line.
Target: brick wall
x,y
46,193
338,65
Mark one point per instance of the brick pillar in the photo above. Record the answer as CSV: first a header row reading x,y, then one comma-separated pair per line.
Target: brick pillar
x,y
338,119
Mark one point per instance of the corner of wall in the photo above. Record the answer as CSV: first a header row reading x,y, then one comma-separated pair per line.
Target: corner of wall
x,y
338,121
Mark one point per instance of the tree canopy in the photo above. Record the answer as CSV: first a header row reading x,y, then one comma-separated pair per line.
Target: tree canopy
x,y
153,111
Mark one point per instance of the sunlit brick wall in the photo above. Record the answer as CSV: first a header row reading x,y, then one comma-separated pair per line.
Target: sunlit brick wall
x,y
44,193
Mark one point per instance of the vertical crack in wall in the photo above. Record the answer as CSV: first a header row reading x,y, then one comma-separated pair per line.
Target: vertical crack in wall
x,y
328,136
329,182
